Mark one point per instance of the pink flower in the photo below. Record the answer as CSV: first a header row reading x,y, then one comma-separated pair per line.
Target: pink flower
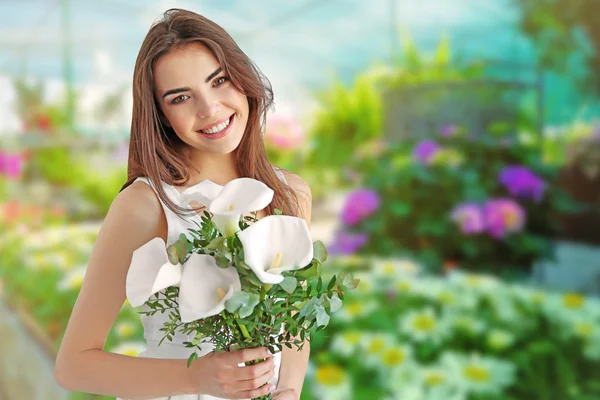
x,y
11,165
284,132
469,216
503,216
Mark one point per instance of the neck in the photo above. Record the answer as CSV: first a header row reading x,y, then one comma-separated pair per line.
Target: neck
x,y
218,168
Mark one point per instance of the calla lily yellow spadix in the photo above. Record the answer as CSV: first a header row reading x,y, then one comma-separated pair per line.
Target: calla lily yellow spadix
x,y
199,278
228,203
275,244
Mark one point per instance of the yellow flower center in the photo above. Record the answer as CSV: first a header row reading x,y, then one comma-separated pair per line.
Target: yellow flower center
x,y
498,340
125,330
477,373
130,352
473,280
330,375
75,282
354,309
424,323
446,298
403,286
511,219
231,208
220,294
573,300
434,378
394,356
352,337
538,297
376,345
389,269
276,261
584,329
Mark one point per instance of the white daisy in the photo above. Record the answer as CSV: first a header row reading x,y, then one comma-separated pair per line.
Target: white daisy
x,y
354,309
424,325
332,382
346,343
499,339
129,348
125,329
478,374
73,279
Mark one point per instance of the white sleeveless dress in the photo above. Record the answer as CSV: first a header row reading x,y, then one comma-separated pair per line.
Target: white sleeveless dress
x,y
175,349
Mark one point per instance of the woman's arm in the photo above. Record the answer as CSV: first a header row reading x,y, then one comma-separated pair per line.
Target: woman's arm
x,y
293,361
134,218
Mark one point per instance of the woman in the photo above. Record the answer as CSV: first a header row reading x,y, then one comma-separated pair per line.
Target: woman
x,y
199,109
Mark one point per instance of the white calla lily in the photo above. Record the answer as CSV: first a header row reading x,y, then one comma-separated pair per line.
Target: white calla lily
x,y
205,287
275,244
203,193
239,196
150,271
228,203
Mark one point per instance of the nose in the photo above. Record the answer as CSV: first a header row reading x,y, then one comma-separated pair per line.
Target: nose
x,y
208,106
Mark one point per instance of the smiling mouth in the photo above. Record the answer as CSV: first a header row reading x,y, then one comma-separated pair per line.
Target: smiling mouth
x,y
217,128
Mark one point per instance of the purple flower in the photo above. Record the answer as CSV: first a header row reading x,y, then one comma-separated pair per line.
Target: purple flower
x,y
503,216
359,205
448,130
425,150
521,182
347,243
470,218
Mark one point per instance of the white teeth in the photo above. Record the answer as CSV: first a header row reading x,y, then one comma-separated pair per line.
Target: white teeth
x,y
217,128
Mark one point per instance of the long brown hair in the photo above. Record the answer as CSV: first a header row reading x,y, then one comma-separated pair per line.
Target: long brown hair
x,y
156,152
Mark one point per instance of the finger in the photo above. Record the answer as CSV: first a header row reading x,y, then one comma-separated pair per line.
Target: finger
x,y
245,355
255,383
251,394
256,370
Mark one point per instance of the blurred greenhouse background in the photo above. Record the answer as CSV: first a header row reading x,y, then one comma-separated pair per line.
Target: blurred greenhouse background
x,y
452,148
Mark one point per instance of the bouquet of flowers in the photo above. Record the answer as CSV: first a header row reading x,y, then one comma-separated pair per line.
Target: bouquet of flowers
x,y
236,280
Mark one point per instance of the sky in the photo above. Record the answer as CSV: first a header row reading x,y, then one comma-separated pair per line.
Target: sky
x,y
299,45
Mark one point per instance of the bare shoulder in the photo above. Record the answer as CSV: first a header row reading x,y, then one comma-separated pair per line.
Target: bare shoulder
x,y
303,192
136,204
299,185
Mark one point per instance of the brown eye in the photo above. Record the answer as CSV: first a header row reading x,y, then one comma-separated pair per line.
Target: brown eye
x,y
221,80
180,99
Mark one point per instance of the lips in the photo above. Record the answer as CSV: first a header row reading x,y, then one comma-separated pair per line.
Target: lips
x,y
214,124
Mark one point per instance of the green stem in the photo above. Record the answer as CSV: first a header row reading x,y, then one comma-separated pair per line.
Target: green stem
x,y
243,328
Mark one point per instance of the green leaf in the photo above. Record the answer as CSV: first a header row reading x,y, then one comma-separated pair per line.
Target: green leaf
x,y
322,316
308,272
319,251
218,243
278,211
192,357
331,283
222,261
289,284
242,301
335,303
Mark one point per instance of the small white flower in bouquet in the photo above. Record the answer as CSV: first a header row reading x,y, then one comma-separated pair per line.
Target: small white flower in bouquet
x,y
236,280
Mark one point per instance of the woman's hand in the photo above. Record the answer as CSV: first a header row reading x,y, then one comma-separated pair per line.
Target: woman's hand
x,y
285,394
218,374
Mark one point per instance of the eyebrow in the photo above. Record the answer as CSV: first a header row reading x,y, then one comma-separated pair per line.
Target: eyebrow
x,y
186,89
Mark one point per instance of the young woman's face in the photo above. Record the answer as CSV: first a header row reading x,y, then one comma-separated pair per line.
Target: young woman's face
x,y
199,101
